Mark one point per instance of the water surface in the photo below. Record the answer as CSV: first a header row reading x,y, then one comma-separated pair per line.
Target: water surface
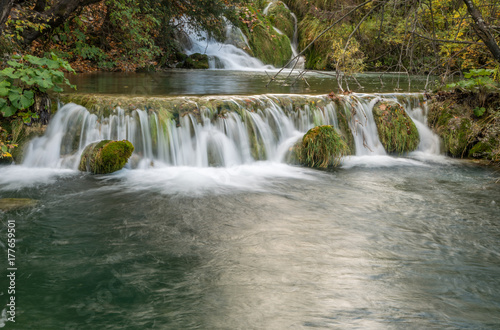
x,y
224,82
381,243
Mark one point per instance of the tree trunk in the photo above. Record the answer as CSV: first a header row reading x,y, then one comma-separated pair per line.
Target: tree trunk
x,y
482,29
5,7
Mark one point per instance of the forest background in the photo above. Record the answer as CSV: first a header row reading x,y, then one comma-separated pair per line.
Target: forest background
x,y
415,36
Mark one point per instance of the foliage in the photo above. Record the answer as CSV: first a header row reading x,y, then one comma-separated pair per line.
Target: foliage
x,y
24,77
435,36
323,147
479,111
477,79
6,146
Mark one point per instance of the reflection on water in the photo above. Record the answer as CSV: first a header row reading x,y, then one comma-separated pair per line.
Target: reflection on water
x,y
223,82
377,244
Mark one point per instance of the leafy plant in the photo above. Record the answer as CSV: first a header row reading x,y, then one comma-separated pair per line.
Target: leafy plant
x,y
27,76
477,79
479,111
5,145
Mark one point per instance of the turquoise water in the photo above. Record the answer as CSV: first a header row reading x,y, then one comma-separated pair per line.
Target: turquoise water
x,y
381,244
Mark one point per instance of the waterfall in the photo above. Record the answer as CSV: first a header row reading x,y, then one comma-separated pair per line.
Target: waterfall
x,y
223,55
218,131
229,55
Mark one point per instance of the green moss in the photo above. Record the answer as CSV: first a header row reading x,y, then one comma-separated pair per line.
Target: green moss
x,y
322,146
481,149
281,17
397,132
266,44
195,61
457,135
343,118
105,156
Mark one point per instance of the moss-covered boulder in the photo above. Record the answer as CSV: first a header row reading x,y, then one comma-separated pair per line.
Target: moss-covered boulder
x,y
322,146
397,132
106,156
9,204
195,61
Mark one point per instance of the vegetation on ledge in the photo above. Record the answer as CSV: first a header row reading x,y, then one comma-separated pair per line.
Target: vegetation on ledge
x,y
396,131
468,123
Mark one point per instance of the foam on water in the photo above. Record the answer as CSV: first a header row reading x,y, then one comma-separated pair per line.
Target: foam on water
x,y
16,177
184,180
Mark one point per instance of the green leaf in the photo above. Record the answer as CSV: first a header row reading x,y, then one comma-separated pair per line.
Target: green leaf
x,y
28,98
35,60
479,111
5,83
14,64
11,73
21,100
4,91
53,64
7,111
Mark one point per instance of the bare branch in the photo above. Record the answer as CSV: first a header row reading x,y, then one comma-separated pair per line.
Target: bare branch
x,y
319,36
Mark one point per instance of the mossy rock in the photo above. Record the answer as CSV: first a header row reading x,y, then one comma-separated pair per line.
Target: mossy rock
x,y
457,135
281,17
106,156
267,45
322,146
195,61
397,132
9,204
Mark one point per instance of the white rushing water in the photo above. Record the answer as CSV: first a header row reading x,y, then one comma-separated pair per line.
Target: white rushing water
x,y
230,55
258,128
223,55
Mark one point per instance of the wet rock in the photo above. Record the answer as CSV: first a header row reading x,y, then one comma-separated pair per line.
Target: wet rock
x,y
195,61
106,156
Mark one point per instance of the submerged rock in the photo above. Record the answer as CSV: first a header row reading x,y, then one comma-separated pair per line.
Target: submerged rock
x,y
106,156
9,204
322,146
397,132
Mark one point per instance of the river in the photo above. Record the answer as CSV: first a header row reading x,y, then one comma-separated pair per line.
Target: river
x,y
382,242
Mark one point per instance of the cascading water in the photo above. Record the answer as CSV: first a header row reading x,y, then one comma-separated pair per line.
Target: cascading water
x,y
299,62
223,55
219,131
229,55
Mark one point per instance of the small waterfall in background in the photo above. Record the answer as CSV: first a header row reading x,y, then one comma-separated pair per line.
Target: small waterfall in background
x,y
229,55
223,55
298,63
219,131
